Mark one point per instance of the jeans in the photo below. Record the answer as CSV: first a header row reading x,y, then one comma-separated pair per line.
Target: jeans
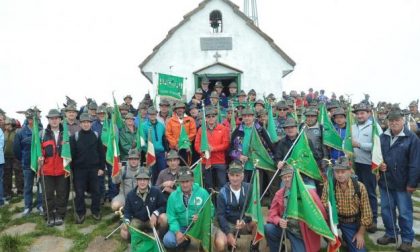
x,y
273,235
28,184
365,175
403,202
348,231
159,166
215,176
86,179
1,184
112,188
169,240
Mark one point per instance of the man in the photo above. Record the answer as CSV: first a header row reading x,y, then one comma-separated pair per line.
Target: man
x,y
92,107
22,151
88,162
142,114
124,110
381,118
322,97
415,115
12,166
259,105
127,136
55,183
241,139
242,97
399,175
339,118
167,178
314,134
128,99
233,89
183,208
230,203
300,236
2,120
72,123
97,124
262,118
163,115
1,168
126,179
205,89
252,97
310,96
282,109
222,97
271,98
142,201
156,130
353,209
197,99
214,171
173,128
362,145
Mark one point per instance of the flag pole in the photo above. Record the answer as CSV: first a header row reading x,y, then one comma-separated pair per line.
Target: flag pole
x,y
199,211
284,159
392,217
154,231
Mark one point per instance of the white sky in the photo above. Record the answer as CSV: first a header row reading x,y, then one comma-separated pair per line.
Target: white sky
x,y
53,48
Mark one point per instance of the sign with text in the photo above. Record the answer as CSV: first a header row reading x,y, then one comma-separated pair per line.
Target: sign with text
x,y
170,86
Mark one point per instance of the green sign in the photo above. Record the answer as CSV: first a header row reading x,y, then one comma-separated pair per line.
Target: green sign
x,y
170,86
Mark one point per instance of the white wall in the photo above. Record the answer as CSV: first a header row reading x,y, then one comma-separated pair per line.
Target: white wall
x,y
262,66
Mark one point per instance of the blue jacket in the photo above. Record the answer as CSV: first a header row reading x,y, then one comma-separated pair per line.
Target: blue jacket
x,y
158,135
22,146
97,126
1,147
229,209
335,154
135,207
402,160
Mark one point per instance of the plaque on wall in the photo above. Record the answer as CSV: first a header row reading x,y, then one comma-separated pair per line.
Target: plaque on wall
x,y
216,44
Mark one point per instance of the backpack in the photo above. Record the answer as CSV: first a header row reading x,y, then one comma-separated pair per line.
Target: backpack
x,y
76,135
356,186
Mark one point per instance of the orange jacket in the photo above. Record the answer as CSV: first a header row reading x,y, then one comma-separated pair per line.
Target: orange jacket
x,y
173,130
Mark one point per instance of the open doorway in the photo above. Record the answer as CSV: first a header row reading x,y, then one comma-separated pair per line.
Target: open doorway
x,y
226,79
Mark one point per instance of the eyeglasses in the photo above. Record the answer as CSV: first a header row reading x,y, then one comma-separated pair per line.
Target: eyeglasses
x,y
210,116
282,109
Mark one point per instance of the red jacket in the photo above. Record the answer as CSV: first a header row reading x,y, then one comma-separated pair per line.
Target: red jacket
x,y
53,163
218,139
310,238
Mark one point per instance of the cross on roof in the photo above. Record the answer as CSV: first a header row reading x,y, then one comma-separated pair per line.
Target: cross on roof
x,y
217,56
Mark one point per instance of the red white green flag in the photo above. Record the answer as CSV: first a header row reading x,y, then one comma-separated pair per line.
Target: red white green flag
x,y
377,158
150,155
112,151
65,148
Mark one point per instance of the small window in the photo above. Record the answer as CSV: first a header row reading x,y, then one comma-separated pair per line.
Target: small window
x,y
216,23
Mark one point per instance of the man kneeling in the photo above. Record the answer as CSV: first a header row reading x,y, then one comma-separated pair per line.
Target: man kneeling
x,y
230,202
141,201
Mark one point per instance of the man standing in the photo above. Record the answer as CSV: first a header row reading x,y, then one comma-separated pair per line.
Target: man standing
x,y
1,167
230,203
142,201
52,171
281,118
72,123
353,209
398,180
415,116
339,118
128,99
88,162
218,140
183,208
314,134
127,137
222,97
233,92
362,144
163,115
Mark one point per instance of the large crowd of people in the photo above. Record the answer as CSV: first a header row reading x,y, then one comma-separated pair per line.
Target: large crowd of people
x,y
164,195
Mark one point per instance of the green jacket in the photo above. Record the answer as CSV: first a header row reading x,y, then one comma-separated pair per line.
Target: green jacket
x,y
180,216
126,142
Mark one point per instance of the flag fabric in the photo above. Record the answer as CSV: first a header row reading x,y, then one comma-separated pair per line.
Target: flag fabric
x,y
330,136
112,151
271,127
183,140
377,158
347,143
232,121
302,207
150,155
105,131
204,147
332,211
258,154
219,114
116,112
254,208
65,149
140,137
36,150
201,229
303,159
198,174
142,242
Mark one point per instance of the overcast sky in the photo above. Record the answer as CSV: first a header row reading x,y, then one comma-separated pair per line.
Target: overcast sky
x,y
52,48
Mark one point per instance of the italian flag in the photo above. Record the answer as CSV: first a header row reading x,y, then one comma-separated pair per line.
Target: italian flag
x,y
204,148
377,158
150,155
332,212
113,152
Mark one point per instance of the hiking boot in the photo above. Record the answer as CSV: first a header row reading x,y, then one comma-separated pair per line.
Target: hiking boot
x,y
59,221
372,228
405,247
26,212
385,240
80,219
40,210
51,222
254,248
97,216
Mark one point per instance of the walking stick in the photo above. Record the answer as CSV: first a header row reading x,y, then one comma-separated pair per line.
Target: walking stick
x,y
284,159
43,192
390,210
74,193
155,233
283,233
119,213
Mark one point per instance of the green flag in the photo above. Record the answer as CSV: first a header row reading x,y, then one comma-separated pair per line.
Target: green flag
x,y
271,128
113,151
142,242
36,151
332,209
183,140
204,147
232,120
116,112
303,159
198,174
254,208
302,207
201,229
65,148
347,143
258,154
105,131
330,136
219,113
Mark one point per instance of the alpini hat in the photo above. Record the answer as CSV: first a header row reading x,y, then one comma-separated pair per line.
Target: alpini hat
x,y
143,173
173,154
85,117
235,167
185,174
133,154
53,113
342,163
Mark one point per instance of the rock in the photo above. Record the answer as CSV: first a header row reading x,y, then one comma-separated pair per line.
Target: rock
x,y
88,229
51,243
108,216
61,227
20,229
99,244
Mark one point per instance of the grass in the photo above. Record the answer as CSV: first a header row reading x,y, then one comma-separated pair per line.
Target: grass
x,y
13,243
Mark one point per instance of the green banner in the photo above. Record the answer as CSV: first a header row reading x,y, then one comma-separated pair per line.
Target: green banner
x,y
170,86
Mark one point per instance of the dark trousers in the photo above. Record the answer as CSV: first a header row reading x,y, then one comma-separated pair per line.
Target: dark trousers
x,y
158,166
365,175
112,188
56,193
12,166
86,180
214,177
